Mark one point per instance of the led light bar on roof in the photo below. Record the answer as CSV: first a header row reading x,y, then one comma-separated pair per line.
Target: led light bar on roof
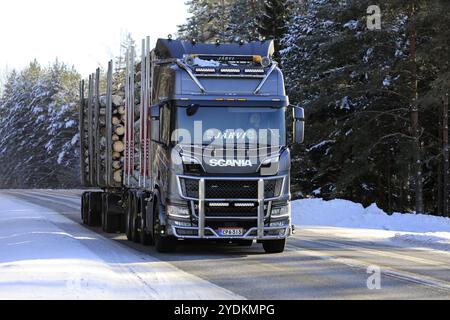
x,y
254,71
230,70
205,70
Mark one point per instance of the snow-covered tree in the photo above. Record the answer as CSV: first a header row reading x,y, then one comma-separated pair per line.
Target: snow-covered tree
x,y
39,128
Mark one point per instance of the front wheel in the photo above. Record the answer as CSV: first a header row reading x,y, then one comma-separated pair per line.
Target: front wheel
x,y
274,246
163,244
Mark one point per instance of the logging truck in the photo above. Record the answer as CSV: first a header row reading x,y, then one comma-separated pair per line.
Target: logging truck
x,y
190,141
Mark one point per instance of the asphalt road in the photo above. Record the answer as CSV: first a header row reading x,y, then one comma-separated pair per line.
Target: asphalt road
x,y
316,264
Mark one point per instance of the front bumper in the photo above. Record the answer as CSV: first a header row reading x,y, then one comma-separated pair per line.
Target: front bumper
x,y
269,233
262,230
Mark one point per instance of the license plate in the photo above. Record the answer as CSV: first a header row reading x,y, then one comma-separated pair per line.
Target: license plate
x,y
231,232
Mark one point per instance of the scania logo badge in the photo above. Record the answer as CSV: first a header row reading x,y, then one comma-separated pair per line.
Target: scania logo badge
x,y
230,163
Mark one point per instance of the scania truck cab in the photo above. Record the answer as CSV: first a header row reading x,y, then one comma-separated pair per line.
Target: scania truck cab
x,y
219,159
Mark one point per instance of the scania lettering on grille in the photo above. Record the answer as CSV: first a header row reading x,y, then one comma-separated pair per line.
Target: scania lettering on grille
x,y
230,163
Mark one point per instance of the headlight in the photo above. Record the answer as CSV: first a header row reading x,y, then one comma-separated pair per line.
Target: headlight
x,y
279,212
271,160
177,212
190,160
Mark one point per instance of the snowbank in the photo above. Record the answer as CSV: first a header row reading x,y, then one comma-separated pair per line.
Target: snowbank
x,y
410,228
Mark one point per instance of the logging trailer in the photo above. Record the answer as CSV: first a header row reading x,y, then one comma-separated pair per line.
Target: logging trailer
x,y
190,142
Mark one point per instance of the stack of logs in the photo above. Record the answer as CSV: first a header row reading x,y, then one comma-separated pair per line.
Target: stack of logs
x,y
118,129
118,135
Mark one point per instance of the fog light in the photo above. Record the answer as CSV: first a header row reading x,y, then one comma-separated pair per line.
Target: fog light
x,y
284,211
279,224
182,224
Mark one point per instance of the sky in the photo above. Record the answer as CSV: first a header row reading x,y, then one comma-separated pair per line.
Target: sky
x,y
83,33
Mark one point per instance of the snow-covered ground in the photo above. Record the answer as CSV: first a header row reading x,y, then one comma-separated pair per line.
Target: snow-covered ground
x,y
44,255
352,220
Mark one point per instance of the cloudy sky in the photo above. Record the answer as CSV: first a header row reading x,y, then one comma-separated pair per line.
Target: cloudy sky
x,y
84,33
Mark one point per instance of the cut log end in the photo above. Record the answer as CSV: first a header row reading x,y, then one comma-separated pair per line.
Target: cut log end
x,y
116,155
118,176
120,130
118,146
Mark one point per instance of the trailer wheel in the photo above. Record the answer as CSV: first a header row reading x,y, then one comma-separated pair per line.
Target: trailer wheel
x,y
84,207
163,244
274,246
134,219
128,216
110,219
94,210
130,229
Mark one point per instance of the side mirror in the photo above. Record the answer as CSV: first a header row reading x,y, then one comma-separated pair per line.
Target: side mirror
x,y
299,124
155,115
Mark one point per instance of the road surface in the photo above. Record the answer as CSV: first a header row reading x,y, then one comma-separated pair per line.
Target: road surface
x,y
318,264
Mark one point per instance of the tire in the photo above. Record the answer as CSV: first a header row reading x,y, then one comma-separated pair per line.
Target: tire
x,y
128,216
110,220
144,238
84,207
274,246
134,220
163,244
130,225
94,212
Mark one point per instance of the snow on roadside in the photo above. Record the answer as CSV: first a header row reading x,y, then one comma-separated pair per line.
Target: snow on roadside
x,y
44,255
412,229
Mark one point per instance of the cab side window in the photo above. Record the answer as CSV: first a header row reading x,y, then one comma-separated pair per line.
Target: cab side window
x,y
165,124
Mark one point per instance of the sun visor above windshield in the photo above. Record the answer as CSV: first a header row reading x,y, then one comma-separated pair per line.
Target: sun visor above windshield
x,y
167,49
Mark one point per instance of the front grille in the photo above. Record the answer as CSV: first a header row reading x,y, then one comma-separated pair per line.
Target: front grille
x,y
190,187
273,188
231,211
212,210
231,189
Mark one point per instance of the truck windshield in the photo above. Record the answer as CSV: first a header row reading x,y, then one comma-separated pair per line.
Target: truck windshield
x,y
263,126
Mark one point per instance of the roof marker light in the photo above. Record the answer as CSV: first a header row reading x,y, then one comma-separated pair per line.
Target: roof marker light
x,y
266,62
257,59
190,60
